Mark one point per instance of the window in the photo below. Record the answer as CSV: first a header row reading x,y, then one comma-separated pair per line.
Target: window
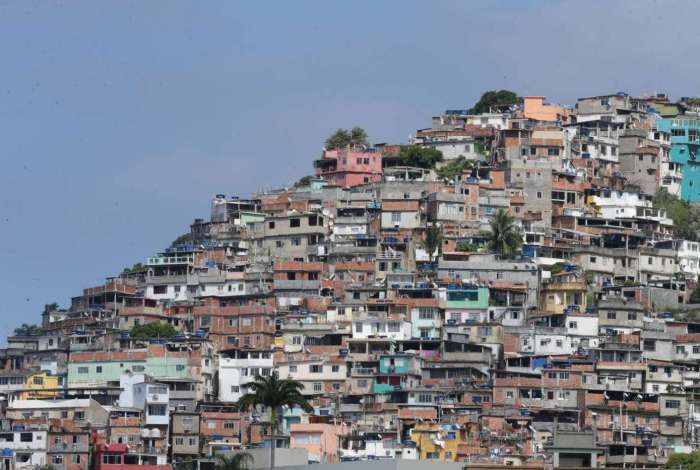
x,y
82,370
696,349
612,316
192,441
649,345
279,244
157,410
553,152
25,437
138,368
78,415
57,459
76,458
233,322
426,313
316,369
179,441
38,381
228,424
246,322
271,225
573,325
631,316
563,375
292,369
160,290
539,194
296,241
674,404
294,222
98,369
509,394
318,387
425,398
112,459
180,367
396,217
335,368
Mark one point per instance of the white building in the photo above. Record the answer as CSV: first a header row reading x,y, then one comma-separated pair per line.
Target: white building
x,y
625,205
238,370
381,328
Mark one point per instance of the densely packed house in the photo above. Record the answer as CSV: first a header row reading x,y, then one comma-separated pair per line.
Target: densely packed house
x,y
507,288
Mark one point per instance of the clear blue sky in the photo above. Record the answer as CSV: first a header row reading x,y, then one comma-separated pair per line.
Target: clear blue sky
x,y
119,120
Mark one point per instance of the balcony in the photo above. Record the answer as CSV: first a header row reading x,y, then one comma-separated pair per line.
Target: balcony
x,y
62,447
361,371
170,260
296,285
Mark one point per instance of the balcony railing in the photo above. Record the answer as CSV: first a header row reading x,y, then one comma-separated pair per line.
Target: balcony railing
x,y
168,260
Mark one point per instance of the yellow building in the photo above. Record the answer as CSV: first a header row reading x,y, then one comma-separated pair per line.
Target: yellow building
x,y
438,441
563,290
40,385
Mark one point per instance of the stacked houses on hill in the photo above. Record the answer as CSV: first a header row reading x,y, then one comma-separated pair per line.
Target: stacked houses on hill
x,y
579,348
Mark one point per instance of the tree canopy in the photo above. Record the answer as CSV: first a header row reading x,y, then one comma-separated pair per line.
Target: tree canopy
x,y
304,181
138,267
686,217
273,393
494,98
182,239
342,138
505,237
28,330
454,167
422,157
433,241
237,461
153,330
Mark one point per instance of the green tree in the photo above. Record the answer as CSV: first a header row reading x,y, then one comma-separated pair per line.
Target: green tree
x,y
494,98
466,247
432,241
505,237
342,138
182,239
52,307
422,157
273,393
695,294
686,217
237,461
28,330
138,267
683,462
304,181
556,268
153,330
454,167
359,137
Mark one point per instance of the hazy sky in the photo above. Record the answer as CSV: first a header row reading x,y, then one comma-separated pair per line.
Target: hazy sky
x,y
119,120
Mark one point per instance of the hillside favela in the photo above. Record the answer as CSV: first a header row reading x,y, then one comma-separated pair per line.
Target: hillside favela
x,y
515,284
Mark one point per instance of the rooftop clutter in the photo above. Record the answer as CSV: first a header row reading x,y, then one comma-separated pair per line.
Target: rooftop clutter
x,y
516,285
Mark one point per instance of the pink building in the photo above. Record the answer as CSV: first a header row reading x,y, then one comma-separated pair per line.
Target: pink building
x,y
319,439
349,167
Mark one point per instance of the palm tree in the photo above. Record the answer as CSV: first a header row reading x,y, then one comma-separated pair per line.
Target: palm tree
x,y
237,461
358,137
273,393
432,241
505,237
